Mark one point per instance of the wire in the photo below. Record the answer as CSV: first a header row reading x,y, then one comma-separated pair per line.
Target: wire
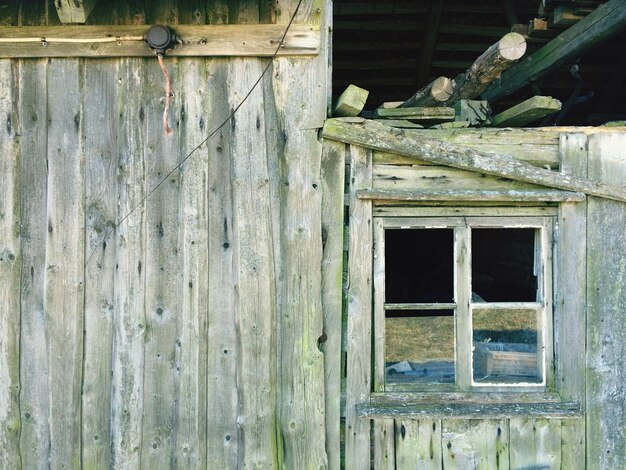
x,y
168,94
72,40
211,134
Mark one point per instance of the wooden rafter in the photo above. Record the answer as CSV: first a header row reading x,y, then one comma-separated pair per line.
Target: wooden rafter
x,y
428,44
607,20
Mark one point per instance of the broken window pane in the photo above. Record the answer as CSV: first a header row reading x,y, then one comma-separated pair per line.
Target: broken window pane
x,y
505,346
419,265
419,346
503,265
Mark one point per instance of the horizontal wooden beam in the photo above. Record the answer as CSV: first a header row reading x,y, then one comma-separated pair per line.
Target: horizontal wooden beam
x,y
471,410
127,41
606,20
415,145
471,195
527,112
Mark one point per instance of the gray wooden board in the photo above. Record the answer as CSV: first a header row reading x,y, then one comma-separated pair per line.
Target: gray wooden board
x,y
301,400
418,444
535,443
223,431
332,179
255,304
358,367
34,401
374,136
606,297
193,259
10,269
130,327
475,443
100,102
163,278
64,282
570,301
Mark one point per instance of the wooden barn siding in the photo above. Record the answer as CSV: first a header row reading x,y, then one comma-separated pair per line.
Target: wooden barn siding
x,y
194,335
533,442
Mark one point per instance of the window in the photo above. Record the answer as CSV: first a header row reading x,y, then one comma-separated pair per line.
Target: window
x,y
462,303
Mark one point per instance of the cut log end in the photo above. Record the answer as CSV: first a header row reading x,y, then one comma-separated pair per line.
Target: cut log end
x,y
512,46
442,89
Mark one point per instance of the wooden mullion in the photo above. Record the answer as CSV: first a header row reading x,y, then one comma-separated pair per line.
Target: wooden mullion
x,y
379,306
462,296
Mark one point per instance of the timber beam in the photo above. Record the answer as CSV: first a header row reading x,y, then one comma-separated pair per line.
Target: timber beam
x,y
128,41
410,144
604,22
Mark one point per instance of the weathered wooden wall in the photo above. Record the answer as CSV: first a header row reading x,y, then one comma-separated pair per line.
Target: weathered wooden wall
x,y
192,337
589,305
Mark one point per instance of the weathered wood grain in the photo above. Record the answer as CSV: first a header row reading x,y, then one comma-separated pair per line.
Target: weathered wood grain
x,y
384,444
223,431
233,40
606,298
461,411
100,102
10,269
74,11
475,444
358,367
441,178
163,277
130,326
301,400
465,195
418,444
255,302
569,305
535,443
34,368
332,182
377,137
191,438
64,278
537,148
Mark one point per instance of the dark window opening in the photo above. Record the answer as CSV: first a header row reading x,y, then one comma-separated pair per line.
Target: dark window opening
x,y
503,265
419,265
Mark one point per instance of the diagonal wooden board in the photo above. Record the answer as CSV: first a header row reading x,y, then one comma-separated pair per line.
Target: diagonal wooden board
x,y
379,137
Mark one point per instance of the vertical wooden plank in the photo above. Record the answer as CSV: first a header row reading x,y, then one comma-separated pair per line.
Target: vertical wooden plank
x,y
359,354
333,175
535,443
163,277
384,444
34,399
64,277
418,444
255,297
606,298
223,431
190,450
463,313
129,322
476,444
100,112
301,362
10,267
570,300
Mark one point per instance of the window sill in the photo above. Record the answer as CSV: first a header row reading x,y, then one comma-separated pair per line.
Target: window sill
x,y
468,410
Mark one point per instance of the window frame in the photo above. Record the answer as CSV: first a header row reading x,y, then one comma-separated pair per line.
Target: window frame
x,y
463,306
